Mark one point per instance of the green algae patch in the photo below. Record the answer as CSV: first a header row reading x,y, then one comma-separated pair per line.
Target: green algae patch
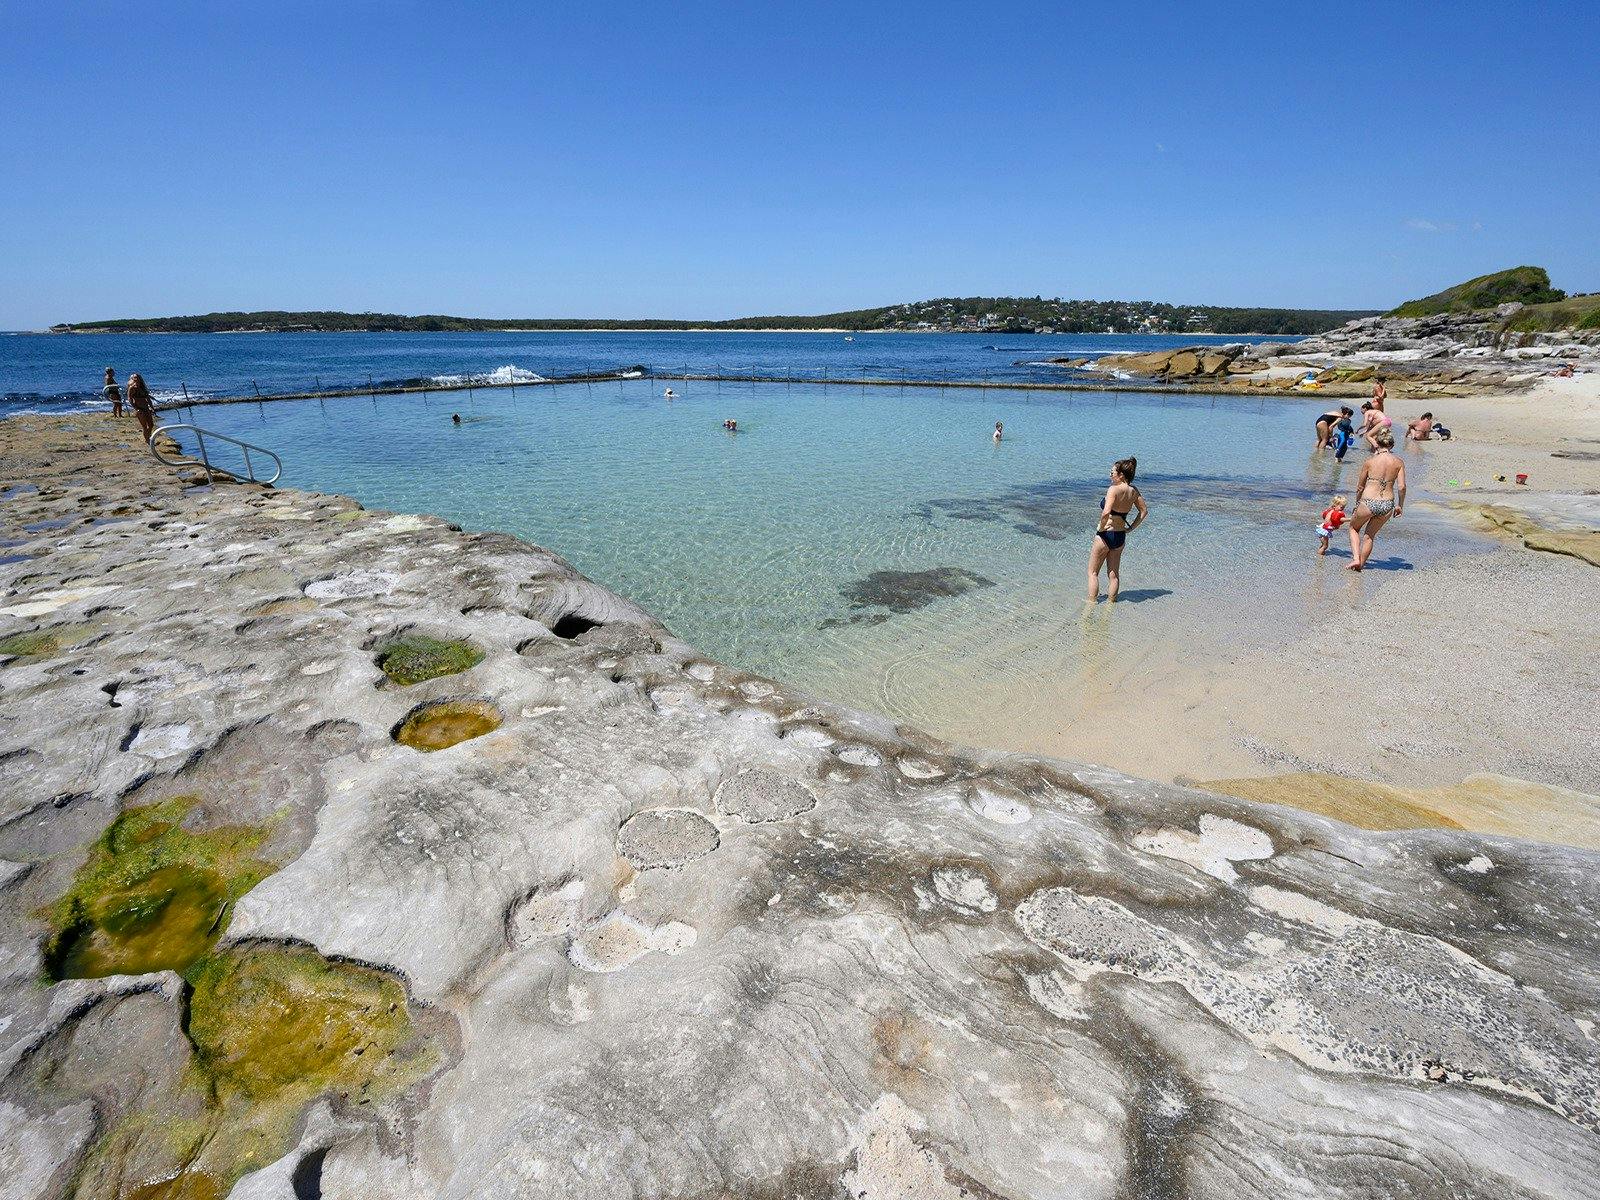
x,y
272,1029
439,726
152,896
45,643
410,660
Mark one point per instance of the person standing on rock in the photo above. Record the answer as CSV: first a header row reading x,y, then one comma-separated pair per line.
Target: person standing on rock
x,y
1382,488
144,407
112,393
1112,532
1379,393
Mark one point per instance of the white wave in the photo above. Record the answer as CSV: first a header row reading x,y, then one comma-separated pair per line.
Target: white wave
x,y
505,374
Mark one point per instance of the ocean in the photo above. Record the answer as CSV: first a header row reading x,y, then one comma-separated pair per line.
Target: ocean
x,y
63,372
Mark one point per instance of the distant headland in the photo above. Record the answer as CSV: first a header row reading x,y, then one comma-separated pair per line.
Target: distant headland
x,y
973,314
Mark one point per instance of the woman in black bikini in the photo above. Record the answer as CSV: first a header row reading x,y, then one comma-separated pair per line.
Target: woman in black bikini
x,y
143,405
1112,531
1327,421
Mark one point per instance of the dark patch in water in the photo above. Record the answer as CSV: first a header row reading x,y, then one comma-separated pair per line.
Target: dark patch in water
x,y
903,592
1060,508
866,618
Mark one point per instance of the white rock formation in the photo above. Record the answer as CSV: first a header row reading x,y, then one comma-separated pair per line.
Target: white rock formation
x,y
658,948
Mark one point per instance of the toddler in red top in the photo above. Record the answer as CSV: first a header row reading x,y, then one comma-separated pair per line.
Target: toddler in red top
x,y
1332,517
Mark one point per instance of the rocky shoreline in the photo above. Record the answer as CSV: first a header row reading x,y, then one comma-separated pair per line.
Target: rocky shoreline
x,y
1449,354
346,853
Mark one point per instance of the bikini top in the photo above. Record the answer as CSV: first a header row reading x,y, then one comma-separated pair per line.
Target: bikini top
x,y
1113,512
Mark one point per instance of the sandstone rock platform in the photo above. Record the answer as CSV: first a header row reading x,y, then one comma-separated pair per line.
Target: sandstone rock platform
x,y
624,922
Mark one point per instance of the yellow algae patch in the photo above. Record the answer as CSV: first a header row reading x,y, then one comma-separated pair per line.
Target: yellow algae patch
x,y
152,895
439,726
189,1185
283,1025
1494,804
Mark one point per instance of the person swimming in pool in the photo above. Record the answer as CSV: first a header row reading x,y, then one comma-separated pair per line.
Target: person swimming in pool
x,y
1112,531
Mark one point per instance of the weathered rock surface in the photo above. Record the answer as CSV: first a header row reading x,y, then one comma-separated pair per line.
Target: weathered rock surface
x,y
1465,351
669,930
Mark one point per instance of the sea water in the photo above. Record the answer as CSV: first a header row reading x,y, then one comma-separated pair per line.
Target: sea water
x,y
874,544
62,372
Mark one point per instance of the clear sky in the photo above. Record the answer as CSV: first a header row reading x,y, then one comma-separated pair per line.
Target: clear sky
x,y
710,160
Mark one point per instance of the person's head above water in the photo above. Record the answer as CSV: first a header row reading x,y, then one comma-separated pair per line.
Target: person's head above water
x,y
1123,469
1347,410
456,417
1383,440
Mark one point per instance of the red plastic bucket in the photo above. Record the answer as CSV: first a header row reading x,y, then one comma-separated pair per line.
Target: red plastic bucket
x,y
1522,477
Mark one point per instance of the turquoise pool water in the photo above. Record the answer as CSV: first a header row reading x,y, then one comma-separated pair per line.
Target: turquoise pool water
x,y
767,548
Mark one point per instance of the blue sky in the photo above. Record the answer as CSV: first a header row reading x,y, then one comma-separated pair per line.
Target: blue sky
x,y
711,160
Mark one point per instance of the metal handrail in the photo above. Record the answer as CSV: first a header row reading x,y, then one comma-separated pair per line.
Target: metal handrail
x,y
200,436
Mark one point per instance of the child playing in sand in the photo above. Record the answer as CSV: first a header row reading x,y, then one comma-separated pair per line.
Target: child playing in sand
x,y
1332,517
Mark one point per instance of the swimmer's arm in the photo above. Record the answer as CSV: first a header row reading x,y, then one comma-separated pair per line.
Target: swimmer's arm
x,y
1138,502
1400,490
1361,480
1105,511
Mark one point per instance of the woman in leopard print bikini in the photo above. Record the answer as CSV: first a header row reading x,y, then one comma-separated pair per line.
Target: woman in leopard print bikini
x,y
1382,488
